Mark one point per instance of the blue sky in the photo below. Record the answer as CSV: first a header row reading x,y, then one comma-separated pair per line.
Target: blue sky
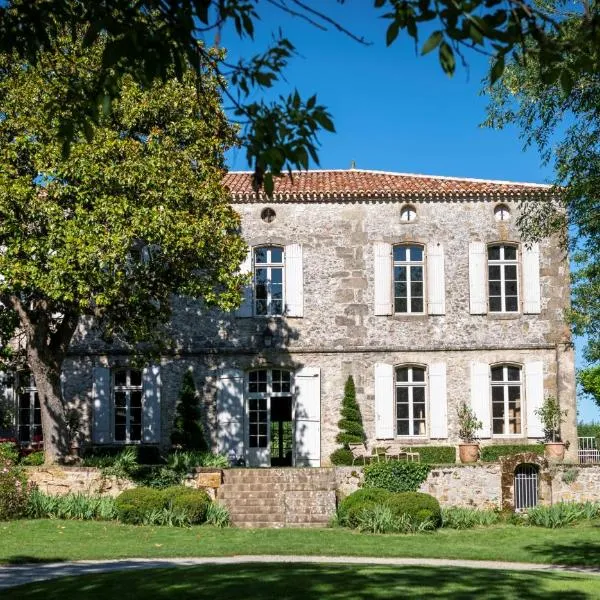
x,y
393,109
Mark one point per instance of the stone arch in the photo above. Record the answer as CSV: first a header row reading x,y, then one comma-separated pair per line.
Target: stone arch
x,y
508,465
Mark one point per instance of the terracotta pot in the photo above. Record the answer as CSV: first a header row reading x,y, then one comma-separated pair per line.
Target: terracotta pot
x,y
554,451
469,453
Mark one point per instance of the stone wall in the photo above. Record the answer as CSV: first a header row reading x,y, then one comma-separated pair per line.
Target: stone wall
x,y
58,481
576,483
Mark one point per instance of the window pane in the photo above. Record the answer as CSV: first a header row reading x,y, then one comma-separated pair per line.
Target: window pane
x,y
494,253
416,273
399,253
400,305
277,307
276,275
497,393
402,411
277,291
512,305
510,253
510,272
416,253
399,273
510,288
498,426
260,255
495,288
402,374
261,307
121,377
494,272
498,410
419,427
400,289
497,374
416,305
418,374
119,433
135,377
416,289
418,394
419,411
136,399
514,373
402,428
402,394
495,304
276,255
120,399
514,393
135,434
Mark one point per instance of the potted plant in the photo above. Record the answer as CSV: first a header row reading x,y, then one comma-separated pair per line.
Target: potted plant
x,y
551,417
468,424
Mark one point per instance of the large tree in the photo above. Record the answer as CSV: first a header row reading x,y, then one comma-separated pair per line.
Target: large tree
x,y
131,216
152,38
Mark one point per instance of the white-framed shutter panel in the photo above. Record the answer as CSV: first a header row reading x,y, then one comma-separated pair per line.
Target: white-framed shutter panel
x,y
294,281
531,279
480,397
245,309
8,400
101,405
383,278
477,278
436,285
438,401
151,407
307,424
534,396
230,412
384,401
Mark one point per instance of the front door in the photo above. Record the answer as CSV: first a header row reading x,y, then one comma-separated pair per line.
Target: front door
x,y
282,434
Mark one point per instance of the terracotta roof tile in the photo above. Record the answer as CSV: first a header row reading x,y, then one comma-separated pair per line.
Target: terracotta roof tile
x,y
354,184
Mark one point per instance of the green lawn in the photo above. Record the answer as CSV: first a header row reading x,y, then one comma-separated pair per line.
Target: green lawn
x,y
53,540
307,581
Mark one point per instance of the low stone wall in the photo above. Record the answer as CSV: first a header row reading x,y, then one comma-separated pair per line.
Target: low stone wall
x,y
576,483
64,480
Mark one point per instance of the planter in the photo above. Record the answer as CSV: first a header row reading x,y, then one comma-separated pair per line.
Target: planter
x,y
554,451
469,453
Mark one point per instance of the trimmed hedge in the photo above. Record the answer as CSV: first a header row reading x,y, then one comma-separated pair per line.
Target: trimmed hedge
x,y
341,457
493,453
352,506
132,505
433,455
395,476
418,506
193,502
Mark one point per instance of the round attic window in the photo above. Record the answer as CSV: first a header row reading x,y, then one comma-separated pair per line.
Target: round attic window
x,y
267,214
501,213
408,213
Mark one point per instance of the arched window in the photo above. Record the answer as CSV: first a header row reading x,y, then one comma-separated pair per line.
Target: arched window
x,y
408,279
127,403
503,278
410,401
506,399
269,264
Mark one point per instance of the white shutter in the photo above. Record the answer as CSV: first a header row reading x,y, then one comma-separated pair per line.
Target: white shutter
x,y
307,425
384,401
230,412
101,403
531,279
245,309
294,285
436,285
477,278
151,412
438,401
534,396
383,278
480,397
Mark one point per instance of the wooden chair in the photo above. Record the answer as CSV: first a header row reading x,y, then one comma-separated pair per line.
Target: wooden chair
x,y
359,451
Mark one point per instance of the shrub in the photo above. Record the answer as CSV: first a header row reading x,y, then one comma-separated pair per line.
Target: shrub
x,y
588,429
71,506
184,461
395,476
418,506
351,507
341,456
14,488
169,516
436,454
377,518
493,453
133,505
9,451
187,430
562,514
193,502
217,515
35,459
456,517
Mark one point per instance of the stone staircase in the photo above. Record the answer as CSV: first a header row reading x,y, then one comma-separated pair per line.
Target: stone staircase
x,y
285,497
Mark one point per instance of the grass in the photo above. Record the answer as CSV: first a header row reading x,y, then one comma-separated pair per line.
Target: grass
x,y
53,540
307,581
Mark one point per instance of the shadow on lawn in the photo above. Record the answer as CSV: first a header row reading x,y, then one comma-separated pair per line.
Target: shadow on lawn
x,y
306,582
23,559
577,554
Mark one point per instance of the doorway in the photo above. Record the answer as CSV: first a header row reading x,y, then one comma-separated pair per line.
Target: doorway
x,y
526,487
281,432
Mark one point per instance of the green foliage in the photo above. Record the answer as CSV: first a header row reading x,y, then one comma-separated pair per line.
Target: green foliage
x,y
351,507
187,431
493,453
217,515
193,502
419,507
168,516
456,517
14,488
71,506
351,426
395,476
562,514
551,417
570,476
35,459
380,518
589,378
468,423
341,457
133,505
435,455
9,451
588,429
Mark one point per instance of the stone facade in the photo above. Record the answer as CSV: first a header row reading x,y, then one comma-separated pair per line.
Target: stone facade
x,y
339,333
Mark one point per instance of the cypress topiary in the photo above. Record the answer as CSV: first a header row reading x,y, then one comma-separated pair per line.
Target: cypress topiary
x,y
351,426
187,430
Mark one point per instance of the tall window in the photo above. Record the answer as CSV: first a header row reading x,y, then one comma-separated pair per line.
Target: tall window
x,y
503,278
408,279
127,396
410,401
506,400
268,280
29,414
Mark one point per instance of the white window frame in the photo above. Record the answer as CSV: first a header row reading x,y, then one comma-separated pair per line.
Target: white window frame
x,y
33,400
127,389
408,263
505,384
410,385
502,263
269,265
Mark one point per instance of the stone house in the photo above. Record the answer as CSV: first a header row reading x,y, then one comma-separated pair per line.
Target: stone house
x,y
418,286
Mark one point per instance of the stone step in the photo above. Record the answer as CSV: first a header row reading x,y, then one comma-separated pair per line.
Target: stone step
x,y
270,488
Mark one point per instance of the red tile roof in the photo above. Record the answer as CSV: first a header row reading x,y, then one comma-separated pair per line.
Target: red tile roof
x,y
354,184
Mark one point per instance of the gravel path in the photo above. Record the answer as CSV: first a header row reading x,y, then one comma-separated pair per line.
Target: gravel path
x,y
21,574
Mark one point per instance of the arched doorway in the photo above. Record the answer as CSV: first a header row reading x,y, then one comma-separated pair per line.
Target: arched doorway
x,y
526,486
